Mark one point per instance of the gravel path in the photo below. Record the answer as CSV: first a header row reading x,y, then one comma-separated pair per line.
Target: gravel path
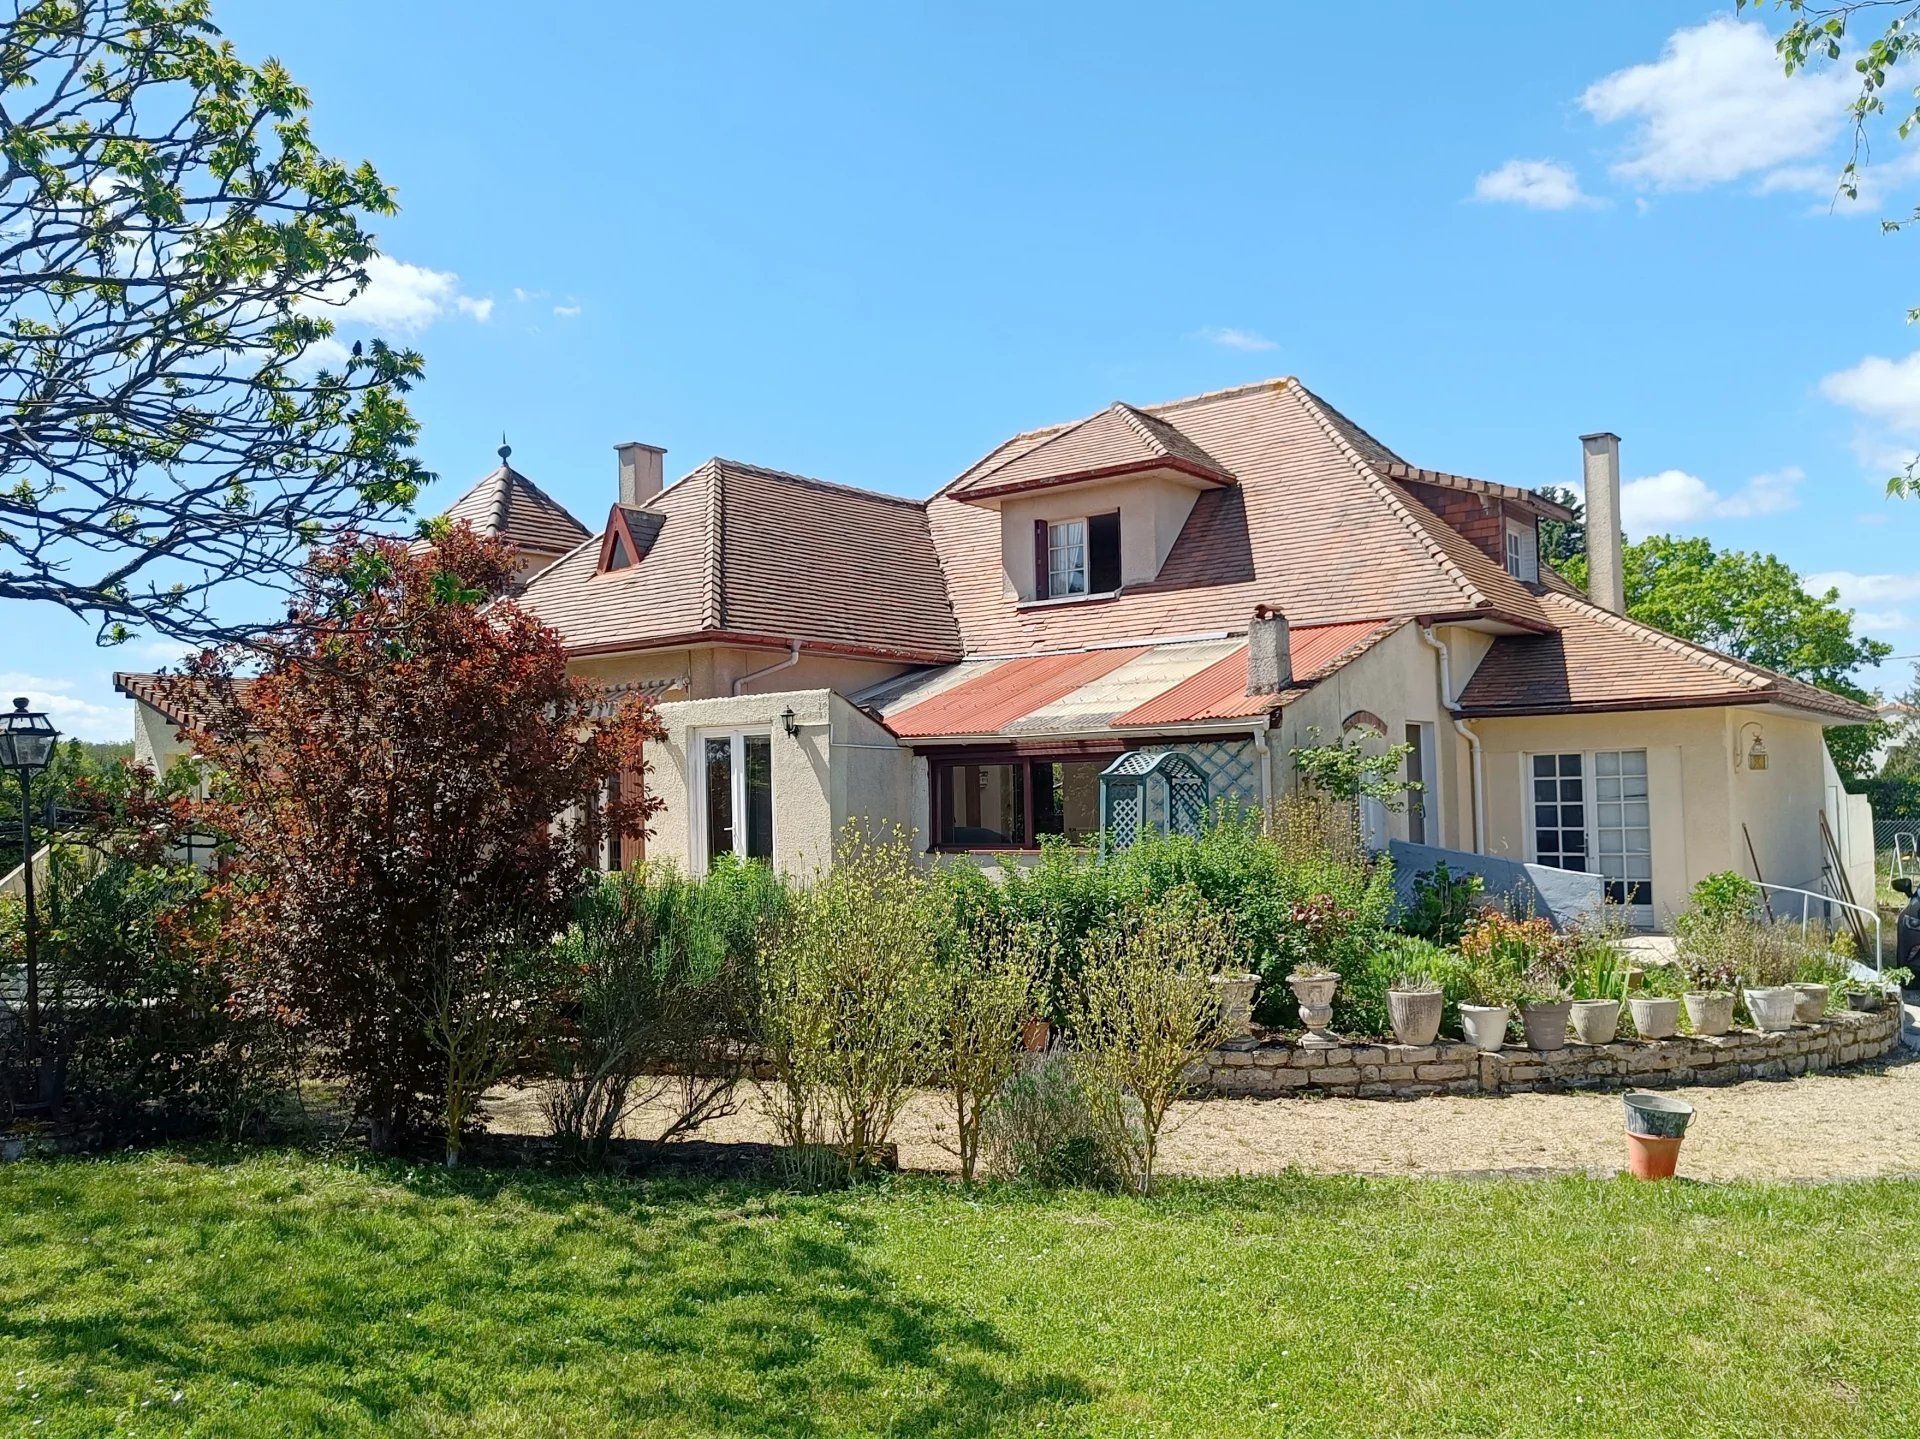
x,y
1857,1124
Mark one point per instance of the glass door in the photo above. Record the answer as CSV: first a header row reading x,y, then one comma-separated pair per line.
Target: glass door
x,y
1623,830
735,792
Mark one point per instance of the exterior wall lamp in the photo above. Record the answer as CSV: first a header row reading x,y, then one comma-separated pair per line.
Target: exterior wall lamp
x,y
1754,756
790,723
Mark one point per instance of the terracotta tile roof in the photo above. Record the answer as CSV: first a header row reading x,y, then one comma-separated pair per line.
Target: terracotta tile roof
x,y
508,504
1598,660
739,550
164,694
1532,499
1118,440
1094,691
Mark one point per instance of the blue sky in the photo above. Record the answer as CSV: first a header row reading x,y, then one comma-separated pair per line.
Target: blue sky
x,y
869,242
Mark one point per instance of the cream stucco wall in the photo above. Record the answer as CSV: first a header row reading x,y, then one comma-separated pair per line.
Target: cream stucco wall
x,y
1152,512
839,766
154,738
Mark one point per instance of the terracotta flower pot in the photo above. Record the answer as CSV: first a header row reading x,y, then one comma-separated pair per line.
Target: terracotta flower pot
x,y
1485,1026
1654,1018
1595,1021
1770,1008
1651,1157
1035,1035
1710,1013
1415,1014
1810,1002
1546,1024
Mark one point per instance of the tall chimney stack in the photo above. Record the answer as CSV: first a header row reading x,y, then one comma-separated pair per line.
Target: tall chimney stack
x,y
1269,652
1606,574
641,472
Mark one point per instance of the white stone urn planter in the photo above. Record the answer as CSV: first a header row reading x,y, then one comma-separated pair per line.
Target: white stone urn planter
x,y
1485,1026
1415,1014
1314,992
1771,1008
1654,1018
1596,1021
1546,1024
1709,1013
1235,993
1811,1002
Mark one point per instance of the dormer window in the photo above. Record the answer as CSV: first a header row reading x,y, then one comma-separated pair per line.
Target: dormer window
x,y
1523,550
1076,557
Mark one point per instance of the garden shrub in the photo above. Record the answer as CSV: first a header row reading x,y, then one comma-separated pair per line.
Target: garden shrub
x,y
1146,1010
1039,1127
483,1004
991,984
1512,960
1441,904
1362,1003
851,992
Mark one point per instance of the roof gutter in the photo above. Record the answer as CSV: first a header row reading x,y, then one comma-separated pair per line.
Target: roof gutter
x,y
792,659
1451,702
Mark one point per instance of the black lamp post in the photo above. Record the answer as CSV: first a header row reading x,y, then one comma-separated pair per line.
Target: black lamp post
x,y
26,747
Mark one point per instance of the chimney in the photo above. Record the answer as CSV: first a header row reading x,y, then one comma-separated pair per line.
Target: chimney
x,y
1269,652
1606,576
641,475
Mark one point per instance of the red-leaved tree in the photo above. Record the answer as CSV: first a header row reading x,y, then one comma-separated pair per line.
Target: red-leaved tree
x,y
409,774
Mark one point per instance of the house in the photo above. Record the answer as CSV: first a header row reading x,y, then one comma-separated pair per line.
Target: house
x,y
1227,577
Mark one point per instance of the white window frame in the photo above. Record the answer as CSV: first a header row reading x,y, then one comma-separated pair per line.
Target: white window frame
x,y
1523,550
699,860
1086,557
1640,914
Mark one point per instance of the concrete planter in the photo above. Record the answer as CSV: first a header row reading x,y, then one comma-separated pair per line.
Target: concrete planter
x,y
1710,1014
1546,1025
1415,1014
1770,1008
1235,994
1865,1001
1655,1018
1596,1021
1315,995
1811,1001
1485,1026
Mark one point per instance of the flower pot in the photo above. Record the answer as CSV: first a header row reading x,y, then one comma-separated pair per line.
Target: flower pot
x,y
1651,1157
1415,1014
1484,1026
1660,1115
1865,1001
1315,995
1235,993
1546,1024
1810,1002
1770,1007
1654,1018
1035,1034
1710,1013
1596,1021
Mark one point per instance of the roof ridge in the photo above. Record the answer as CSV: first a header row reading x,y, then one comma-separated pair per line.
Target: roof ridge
x,y
815,480
1397,506
1059,434
1141,423
503,502
540,496
712,608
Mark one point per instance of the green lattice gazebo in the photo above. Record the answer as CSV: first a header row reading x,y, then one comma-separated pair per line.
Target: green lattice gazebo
x,y
1159,790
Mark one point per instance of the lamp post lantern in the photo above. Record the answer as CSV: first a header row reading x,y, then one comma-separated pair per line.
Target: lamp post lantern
x,y
26,747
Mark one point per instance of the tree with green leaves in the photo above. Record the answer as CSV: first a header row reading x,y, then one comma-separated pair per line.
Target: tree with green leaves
x,y
175,419
1562,541
1753,607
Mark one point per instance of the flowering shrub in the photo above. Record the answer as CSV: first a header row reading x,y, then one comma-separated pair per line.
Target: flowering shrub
x,y
1514,961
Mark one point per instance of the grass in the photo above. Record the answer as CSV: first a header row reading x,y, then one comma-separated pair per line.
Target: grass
x,y
290,1294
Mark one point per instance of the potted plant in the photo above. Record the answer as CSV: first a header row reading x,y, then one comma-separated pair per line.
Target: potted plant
x,y
1656,1008
1710,979
1809,1000
1711,938
1868,994
1036,1034
1545,1007
1770,1007
1824,968
1496,950
1313,985
1414,1006
1767,956
1598,982
1235,990
1656,1123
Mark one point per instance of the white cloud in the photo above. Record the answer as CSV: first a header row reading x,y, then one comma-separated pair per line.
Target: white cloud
x,y
1230,338
522,296
566,312
1537,184
1875,183
1717,105
1674,499
402,297
1881,389
75,716
1858,589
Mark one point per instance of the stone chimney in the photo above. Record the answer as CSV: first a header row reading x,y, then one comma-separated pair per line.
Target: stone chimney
x,y
641,472
1269,652
1606,573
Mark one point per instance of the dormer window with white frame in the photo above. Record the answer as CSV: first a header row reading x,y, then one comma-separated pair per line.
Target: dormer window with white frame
x,y
1076,558
1523,550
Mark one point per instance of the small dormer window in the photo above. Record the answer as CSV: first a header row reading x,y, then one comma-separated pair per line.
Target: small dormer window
x,y
1523,551
1076,557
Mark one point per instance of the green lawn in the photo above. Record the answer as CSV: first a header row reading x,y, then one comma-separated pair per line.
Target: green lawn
x,y
281,1293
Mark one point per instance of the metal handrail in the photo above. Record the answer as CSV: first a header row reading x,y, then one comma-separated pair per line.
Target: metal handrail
x,y
1807,895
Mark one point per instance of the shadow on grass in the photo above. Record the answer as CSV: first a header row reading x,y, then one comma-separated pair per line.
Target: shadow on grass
x,y
405,1295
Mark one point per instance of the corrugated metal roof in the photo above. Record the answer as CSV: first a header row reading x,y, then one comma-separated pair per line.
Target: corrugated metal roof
x,y
1220,690
1004,693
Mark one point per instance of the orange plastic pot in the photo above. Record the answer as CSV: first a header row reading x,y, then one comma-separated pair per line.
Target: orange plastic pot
x,y
1652,1156
1035,1034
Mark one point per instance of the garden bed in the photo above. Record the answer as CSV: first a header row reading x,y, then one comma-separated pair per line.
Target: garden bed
x,y
1272,1065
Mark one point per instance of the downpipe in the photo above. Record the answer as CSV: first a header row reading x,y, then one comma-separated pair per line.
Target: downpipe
x,y
1477,788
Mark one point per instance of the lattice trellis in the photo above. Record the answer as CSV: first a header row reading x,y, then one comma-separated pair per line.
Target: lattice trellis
x,y
1159,790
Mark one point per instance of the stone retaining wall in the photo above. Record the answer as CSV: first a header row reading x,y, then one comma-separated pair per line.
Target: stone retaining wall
x,y
1270,1066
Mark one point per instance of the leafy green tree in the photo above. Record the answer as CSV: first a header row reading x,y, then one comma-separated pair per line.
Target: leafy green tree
x,y
1753,607
174,418
1561,541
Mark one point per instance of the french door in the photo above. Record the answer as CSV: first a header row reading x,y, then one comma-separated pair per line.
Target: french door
x,y
733,796
1592,812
